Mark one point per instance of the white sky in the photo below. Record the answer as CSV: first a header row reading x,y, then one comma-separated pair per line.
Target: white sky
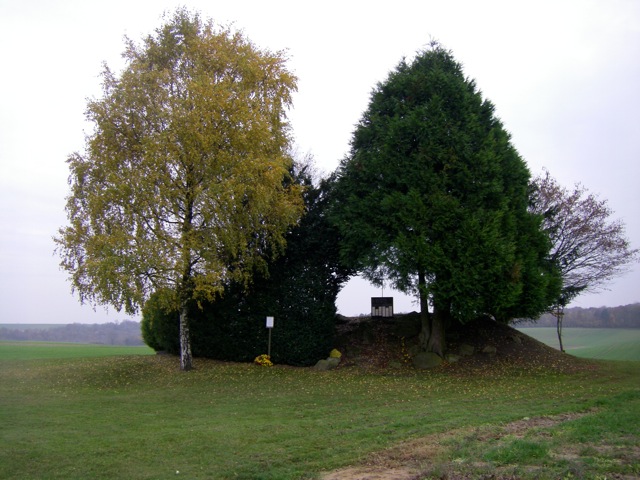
x,y
564,76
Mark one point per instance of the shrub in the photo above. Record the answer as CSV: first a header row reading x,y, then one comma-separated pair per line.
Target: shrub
x,y
160,328
263,360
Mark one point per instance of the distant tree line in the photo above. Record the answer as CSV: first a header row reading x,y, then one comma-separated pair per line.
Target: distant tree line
x,y
626,316
116,333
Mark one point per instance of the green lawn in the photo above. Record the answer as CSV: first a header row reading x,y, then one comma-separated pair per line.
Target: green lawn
x,y
599,343
139,417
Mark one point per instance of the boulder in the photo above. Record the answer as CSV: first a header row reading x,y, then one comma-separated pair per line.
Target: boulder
x,y
327,364
489,350
333,362
322,365
466,350
451,357
424,360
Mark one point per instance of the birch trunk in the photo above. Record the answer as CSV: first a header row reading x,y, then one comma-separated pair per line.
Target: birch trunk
x,y
186,363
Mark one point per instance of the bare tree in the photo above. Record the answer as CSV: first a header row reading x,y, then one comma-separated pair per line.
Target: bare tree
x,y
588,245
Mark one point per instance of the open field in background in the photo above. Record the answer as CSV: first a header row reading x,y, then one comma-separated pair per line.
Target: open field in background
x,y
49,350
598,343
138,417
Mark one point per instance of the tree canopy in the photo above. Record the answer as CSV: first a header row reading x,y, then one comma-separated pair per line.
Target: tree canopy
x,y
434,198
181,187
589,247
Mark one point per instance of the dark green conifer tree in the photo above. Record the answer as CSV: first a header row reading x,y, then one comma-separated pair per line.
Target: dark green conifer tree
x,y
433,199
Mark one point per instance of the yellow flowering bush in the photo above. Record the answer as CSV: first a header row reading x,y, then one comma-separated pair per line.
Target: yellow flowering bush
x,y
335,354
264,360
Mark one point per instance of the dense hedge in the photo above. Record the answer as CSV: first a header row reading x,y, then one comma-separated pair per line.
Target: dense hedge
x,y
300,292
159,327
234,327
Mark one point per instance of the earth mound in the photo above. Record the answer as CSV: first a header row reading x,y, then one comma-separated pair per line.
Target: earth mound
x,y
381,343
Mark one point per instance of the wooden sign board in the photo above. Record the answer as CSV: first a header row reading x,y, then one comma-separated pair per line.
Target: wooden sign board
x,y
382,307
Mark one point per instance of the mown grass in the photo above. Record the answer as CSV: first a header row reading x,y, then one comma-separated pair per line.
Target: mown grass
x,y
138,417
598,343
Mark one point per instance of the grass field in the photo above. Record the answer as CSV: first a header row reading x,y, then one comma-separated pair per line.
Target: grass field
x,y
599,343
138,417
43,350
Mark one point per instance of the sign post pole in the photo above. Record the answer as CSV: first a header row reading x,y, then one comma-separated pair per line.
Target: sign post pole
x,y
269,327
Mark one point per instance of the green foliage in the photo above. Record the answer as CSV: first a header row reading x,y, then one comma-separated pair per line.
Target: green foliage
x,y
160,325
148,334
299,291
233,328
434,198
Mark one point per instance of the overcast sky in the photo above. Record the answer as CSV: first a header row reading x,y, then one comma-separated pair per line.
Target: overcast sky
x,y
564,76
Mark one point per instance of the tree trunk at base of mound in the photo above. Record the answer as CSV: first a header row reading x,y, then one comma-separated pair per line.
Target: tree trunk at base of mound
x,y
431,336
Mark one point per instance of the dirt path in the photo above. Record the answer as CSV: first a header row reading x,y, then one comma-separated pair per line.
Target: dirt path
x,y
412,460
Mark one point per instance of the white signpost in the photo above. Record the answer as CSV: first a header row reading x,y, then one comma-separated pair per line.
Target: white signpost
x,y
269,327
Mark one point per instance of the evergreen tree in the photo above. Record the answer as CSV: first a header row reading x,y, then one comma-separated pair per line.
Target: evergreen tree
x,y
434,198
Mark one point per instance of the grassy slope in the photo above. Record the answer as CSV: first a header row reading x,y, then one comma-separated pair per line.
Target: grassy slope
x,y
138,417
600,343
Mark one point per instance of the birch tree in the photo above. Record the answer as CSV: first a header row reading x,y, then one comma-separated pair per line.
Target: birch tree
x,y
181,186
